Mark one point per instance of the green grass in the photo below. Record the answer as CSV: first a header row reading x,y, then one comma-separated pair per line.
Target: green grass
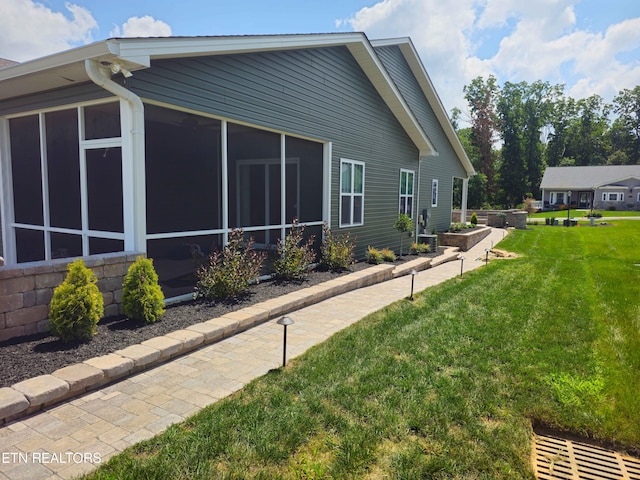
x,y
560,214
446,386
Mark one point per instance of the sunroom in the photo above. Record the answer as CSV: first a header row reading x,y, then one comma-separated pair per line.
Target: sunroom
x,y
76,190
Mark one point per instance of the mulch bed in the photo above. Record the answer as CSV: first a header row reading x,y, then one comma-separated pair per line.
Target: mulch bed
x,y
27,357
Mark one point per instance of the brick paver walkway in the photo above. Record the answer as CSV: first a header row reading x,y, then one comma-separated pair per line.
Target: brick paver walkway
x,y
74,437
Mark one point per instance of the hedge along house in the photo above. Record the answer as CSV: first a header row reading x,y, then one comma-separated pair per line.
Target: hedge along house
x,y
161,146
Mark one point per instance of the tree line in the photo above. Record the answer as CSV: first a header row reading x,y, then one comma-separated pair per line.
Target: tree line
x,y
518,129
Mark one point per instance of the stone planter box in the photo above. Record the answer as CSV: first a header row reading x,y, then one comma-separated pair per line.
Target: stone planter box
x,y
463,240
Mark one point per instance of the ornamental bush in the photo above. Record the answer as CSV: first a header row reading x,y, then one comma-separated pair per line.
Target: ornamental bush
x,y
336,251
388,255
229,272
418,248
374,255
142,297
76,305
294,257
474,219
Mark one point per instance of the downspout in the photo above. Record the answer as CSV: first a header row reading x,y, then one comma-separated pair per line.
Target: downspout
x,y
135,194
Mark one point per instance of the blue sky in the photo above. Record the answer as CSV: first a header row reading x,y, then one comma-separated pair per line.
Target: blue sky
x,y
591,46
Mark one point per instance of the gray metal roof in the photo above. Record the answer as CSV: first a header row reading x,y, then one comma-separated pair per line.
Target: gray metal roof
x,y
587,177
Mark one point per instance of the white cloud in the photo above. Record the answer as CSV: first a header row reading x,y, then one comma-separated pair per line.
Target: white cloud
x,y
29,29
146,26
541,40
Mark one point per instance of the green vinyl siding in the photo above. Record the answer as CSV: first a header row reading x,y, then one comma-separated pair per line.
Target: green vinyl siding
x,y
319,93
446,165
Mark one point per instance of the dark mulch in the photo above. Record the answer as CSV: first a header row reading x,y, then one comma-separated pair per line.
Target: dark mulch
x,y
40,354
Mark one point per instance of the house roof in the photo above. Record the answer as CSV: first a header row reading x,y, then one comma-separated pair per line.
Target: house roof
x,y
68,68
6,63
589,177
420,73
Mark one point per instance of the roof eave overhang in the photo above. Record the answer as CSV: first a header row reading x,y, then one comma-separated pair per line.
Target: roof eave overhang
x,y
67,68
413,59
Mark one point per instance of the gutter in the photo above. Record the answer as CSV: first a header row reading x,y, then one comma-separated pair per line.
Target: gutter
x,y
133,153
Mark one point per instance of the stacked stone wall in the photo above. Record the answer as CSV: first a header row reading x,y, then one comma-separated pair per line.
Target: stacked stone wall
x,y
26,290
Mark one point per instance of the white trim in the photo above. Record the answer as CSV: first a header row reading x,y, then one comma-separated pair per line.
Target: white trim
x,y
434,193
326,188
407,195
351,194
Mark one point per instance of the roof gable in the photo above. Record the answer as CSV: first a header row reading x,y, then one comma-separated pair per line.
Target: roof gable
x,y
132,54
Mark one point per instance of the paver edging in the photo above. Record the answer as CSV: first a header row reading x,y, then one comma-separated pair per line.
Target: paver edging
x,y
150,353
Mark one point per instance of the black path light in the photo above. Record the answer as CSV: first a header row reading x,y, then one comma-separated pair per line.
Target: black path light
x,y
461,263
285,321
486,256
413,273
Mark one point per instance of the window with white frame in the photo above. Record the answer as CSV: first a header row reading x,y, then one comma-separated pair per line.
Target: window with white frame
x,y
557,198
406,192
351,193
434,193
613,197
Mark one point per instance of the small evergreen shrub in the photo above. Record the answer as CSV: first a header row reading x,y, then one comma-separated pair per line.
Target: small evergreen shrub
x,y
418,248
336,251
388,255
374,255
229,272
294,257
142,297
474,219
76,305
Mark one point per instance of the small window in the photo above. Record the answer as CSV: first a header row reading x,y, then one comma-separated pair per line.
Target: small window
x,y
351,193
613,197
434,193
406,192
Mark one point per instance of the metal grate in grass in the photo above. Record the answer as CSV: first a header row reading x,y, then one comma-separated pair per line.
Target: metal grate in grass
x,y
558,458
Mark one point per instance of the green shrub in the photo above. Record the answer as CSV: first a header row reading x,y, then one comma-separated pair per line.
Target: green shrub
x,y
374,255
76,305
336,251
388,255
142,297
229,272
418,248
474,219
294,257
458,227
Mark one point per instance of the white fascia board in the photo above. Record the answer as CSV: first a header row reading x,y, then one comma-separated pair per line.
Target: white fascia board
x,y
372,66
413,59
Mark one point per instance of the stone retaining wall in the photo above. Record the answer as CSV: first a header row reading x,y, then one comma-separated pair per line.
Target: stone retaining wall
x,y
463,240
26,290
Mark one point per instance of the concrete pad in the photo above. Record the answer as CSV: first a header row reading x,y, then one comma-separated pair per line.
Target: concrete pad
x,y
79,376
113,366
140,354
12,402
167,346
42,390
189,338
211,333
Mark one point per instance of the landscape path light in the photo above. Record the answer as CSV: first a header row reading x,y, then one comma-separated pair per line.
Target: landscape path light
x,y
486,256
461,263
413,273
285,321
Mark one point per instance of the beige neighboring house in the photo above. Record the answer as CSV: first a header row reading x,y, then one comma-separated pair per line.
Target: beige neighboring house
x,y
6,63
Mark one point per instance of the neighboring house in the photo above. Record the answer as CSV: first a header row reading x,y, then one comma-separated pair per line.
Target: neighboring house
x,y
161,146
6,63
615,187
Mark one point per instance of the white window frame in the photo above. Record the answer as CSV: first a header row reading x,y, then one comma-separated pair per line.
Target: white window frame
x,y
434,192
612,197
408,181
351,194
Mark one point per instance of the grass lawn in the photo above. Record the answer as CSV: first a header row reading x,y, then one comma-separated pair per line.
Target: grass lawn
x,y
561,214
447,386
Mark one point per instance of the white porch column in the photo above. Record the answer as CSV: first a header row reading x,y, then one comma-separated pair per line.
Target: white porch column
x,y
463,206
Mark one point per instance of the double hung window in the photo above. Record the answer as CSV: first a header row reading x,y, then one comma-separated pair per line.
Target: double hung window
x,y
351,193
406,192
